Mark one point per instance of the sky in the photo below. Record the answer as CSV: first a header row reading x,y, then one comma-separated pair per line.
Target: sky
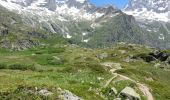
x,y
119,3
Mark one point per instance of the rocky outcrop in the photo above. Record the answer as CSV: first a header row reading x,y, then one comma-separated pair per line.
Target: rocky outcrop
x,y
67,95
45,92
130,94
161,56
102,55
113,91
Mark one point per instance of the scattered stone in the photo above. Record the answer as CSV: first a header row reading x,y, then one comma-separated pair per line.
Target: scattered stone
x,y
45,92
90,89
82,81
157,65
129,59
117,99
129,93
100,78
112,65
102,56
67,95
59,89
57,58
33,54
168,60
114,55
123,51
149,79
113,91
162,56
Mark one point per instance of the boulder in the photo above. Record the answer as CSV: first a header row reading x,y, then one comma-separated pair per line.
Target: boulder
x,y
168,60
145,57
112,65
123,51
129,93
102,55
162,56
113,91
117,99
157,65
67,95
45,92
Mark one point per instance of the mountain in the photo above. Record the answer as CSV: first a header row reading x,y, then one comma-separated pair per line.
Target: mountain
x,y
154,17
158,10
40,58
81,23
77,20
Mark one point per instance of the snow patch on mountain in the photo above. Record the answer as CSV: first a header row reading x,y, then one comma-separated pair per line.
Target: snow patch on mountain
x,y
81,1
149,15
44,8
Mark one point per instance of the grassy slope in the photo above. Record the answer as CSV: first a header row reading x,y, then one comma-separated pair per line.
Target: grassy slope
x,y
76,69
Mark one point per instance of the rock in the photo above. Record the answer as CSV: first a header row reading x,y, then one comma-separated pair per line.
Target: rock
x,y
168,60
114,55
100,78
129,59
90,89
33,54
112,66
102,56
162,56
129,93
45,92
145,57
113,91
123,51
157,65
117,99
149,79
59,89
67,95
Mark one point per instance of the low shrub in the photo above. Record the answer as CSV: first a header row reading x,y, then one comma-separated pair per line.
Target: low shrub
x,y
39,52
92,67
21,67
3,66
56,50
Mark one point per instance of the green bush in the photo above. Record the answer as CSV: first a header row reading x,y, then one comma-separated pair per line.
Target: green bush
x,y
22,67
93,67
39,52
56,50
3,66
55,61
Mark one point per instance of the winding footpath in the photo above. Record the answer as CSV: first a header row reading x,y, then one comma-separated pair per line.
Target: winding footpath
x,y
143,88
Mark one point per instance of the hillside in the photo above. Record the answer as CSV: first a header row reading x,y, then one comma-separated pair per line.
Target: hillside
x,y
45,72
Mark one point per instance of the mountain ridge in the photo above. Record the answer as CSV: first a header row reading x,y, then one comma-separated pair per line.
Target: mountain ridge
x,y
85,24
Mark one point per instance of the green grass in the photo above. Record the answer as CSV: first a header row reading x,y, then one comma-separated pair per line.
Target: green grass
x,y
75,69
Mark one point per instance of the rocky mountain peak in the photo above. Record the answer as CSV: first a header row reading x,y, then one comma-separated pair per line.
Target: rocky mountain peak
x,y
158,6
149,9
